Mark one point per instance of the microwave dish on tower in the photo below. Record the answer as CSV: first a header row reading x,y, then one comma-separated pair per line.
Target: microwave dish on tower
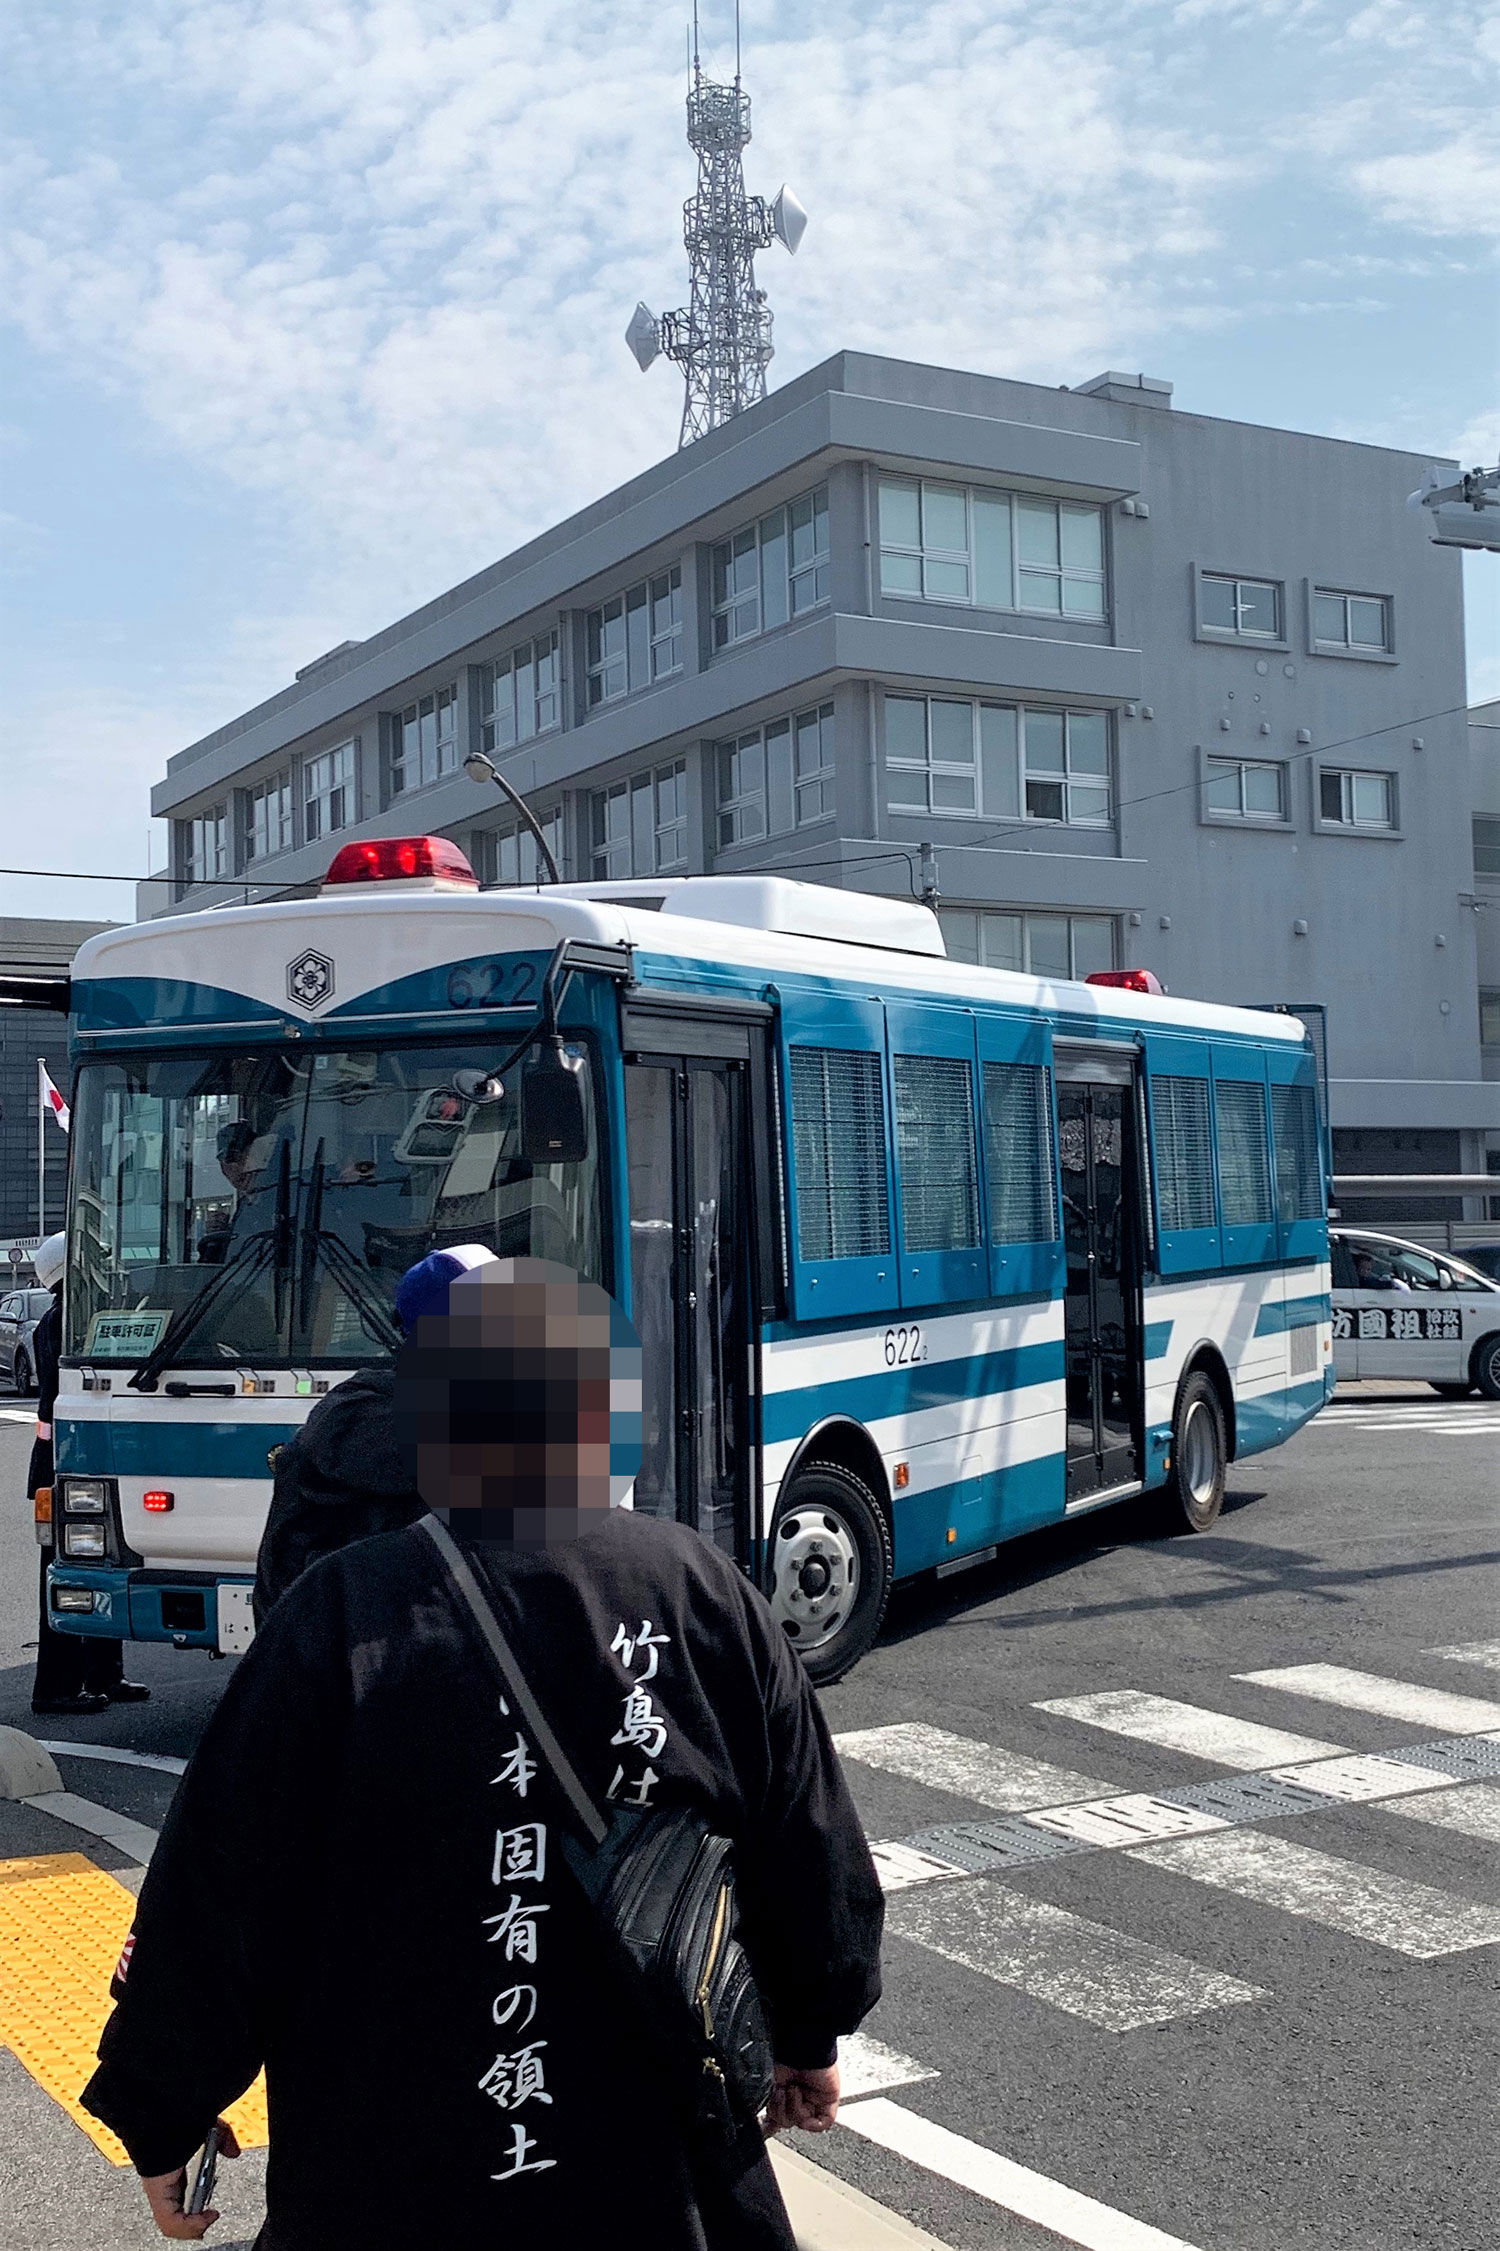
x,y
722,339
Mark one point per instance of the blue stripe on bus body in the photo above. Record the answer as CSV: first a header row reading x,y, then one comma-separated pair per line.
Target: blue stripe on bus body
x,y
907,1391
168,1448
1272,1416
1297,1313
1156,1339
980,1511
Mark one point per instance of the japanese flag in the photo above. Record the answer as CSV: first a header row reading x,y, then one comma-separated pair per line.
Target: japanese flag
x,y
51,1099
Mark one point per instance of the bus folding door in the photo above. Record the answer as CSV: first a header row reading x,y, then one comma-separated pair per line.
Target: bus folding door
x,y
1242,1141
1180,1094
939,1197
1018,1142
840,1214
1301,1190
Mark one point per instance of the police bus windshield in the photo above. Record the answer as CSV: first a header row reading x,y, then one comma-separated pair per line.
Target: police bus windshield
x,y
302,1186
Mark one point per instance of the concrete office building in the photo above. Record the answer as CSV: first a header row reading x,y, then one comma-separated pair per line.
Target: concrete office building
x,y
30,948
1159,689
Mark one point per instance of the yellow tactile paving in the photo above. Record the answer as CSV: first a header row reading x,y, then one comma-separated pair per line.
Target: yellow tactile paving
x,y
62,1924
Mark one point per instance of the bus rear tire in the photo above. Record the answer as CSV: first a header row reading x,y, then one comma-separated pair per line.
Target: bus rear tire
x,y
1485,1367
1200,1457
829,1569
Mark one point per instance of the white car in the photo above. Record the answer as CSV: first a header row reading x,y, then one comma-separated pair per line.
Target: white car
x,y
1402,1310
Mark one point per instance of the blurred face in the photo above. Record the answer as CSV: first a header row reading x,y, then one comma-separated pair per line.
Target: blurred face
x,y
520,1409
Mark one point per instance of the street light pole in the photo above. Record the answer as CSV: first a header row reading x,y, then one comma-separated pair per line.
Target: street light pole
x,y
480,768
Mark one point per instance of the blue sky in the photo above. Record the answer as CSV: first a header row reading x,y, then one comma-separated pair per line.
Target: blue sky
x,y
308,310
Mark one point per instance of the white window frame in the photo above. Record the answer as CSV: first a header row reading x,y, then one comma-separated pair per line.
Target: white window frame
x,y
739,613
666,856
1349,822
1217,764
443,703
506,857
1239,631
610,676
930,558
1030,918
1069,780
261,841
204,847
1344,645
796,729
335,790
507,714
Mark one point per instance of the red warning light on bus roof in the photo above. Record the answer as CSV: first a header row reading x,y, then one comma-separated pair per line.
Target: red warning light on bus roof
x,y
403,859
1128,980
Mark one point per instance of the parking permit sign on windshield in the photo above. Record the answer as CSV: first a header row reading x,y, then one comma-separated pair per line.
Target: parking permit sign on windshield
x,y
125,1336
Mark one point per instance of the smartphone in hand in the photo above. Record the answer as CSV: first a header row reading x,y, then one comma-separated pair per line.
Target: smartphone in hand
x,y
208,2165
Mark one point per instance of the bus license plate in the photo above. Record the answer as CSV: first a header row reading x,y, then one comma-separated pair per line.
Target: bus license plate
x,y
236,1620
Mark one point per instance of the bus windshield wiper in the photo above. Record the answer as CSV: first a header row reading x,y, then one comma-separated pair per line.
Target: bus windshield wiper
x,y
227,1285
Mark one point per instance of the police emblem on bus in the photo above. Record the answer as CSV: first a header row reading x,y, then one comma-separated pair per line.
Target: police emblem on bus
x,y
309,979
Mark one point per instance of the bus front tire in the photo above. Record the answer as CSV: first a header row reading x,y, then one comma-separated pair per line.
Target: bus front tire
x,y
1485,1367
830,1569
1200,1457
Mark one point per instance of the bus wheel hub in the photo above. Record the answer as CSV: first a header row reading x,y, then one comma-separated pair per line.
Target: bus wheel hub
x,y
816,1576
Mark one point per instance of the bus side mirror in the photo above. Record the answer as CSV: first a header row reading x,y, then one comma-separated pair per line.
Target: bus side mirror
x,y
554,1112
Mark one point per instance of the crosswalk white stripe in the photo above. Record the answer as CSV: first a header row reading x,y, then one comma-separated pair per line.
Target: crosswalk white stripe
x,y
1486,1653
1214,1736
899,1866
1362,1780
1390,1911
1472,1810
1083,1968
964,1768
1435,1708
1048,2204
869,2067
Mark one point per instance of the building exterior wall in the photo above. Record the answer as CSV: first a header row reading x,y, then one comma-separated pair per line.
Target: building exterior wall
x,y
33,946
1366,918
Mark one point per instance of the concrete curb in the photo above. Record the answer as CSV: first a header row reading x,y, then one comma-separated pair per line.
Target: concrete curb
x,y
26,1770
828,2215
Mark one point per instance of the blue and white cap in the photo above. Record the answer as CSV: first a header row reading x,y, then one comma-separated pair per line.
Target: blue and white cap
x,y
424,1288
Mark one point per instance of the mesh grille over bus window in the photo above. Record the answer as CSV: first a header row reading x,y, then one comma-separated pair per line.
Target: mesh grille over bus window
x,y
1184,1152
838,1148
1018,1153
1244,1165
936,1153
1299,1186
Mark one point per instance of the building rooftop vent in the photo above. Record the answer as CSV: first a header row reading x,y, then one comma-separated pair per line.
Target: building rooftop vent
x,y
773,902
1128,390
327,658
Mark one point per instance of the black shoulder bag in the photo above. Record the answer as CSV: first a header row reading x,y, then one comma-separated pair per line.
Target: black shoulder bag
x,y
662,1886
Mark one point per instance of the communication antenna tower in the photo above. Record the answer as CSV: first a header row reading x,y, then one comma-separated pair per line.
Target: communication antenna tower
x,y
722,339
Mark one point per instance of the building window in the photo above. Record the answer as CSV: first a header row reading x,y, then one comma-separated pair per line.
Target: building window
x,y
771,571
203,846
1184,1152
991,550
1250,609
636,637
936,1155
946,756
268,816
508,856
1244,789
1486,844
519,694
327,792
640,825
838,1148
1489,1018
776,778
1361,622
1041,945
424,741
1348,798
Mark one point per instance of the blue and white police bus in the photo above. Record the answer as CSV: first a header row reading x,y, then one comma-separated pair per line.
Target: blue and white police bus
x,y
923,1256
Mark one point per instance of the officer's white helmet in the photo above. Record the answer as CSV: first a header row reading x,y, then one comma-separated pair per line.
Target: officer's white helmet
x,y
49,1259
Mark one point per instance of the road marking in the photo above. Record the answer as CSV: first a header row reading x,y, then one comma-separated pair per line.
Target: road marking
x,y
108,1755
1188,1727
1082,1968
62,1924
117,1829
1360,1780
15,1415
1486,1653
1436,1708
999,2180
1132,1820
1473,1810
869,2067
981,1772
899,1866
1391,1911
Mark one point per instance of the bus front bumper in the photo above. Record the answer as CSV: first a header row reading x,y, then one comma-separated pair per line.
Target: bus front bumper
x,y
179,1607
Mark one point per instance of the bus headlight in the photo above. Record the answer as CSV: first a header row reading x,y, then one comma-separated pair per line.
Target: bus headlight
x,y
72,1599
83,1539
84,1496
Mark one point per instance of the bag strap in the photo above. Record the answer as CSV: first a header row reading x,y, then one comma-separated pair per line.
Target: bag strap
x,y
461,1572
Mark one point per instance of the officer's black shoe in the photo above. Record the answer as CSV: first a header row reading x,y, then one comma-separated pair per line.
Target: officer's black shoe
x,y
128,1692
69,1707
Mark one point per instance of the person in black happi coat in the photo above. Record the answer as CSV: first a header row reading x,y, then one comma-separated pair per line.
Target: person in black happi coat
x,y
360,1884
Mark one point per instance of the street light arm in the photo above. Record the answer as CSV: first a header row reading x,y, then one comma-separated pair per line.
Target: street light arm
x,y
479,768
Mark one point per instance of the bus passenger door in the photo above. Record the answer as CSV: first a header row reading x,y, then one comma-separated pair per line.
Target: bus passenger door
x,y
687,1125
1100,1183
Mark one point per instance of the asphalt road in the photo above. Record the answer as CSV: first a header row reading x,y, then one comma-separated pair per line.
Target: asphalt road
x,y
1278,2034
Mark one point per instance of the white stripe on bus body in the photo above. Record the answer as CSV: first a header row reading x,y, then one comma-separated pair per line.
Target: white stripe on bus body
x,y
997,1430
1394,1912
1437,1709
1003,1780
797,1363
1084,1969
1216,1737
